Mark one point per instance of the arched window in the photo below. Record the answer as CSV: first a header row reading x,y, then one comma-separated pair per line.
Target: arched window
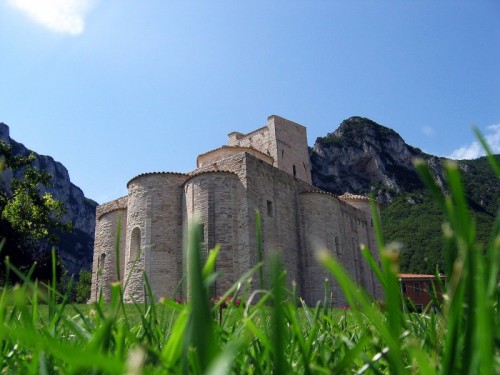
x,y
135,244
102,258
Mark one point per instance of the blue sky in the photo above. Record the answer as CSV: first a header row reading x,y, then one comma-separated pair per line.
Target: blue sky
x,y
115,88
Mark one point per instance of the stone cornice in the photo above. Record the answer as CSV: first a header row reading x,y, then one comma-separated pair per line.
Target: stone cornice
x,y
116,205
156,173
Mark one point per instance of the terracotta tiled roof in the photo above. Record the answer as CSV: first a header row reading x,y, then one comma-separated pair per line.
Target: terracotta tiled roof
x,y
349,196
415,276
314,191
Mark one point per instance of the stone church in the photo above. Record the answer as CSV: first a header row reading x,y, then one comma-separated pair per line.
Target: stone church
x,y
268,170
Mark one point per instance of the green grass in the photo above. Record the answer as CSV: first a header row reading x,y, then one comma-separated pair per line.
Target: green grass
x,y
276,332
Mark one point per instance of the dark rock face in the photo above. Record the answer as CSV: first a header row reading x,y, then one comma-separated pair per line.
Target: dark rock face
x,y
76,248
364,157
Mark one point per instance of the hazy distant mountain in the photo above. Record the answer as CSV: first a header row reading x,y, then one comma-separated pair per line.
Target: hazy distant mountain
x,y
76,248
364,157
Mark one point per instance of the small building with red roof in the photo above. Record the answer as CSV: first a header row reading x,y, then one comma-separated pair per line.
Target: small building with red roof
x,y
420,289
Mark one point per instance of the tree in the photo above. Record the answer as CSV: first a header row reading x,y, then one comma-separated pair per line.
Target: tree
x,y
75,289
83,286
29,219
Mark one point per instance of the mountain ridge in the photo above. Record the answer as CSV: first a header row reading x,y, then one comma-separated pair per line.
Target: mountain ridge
x,y
363,157
366,157
75,248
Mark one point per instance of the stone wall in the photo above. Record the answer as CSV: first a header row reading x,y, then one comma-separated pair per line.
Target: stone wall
x,y
285,141
322,230
259,139
340,229
214,198
291,151
363,204
155,216
104,272
275,194
215,156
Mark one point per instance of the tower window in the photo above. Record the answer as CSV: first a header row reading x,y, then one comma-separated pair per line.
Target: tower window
x,y
337,246
270,208
202,233
294,171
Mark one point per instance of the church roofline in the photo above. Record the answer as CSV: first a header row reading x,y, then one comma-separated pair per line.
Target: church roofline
x,y
237,149
319,192
104,213
115,205
243,148
153,173
243,135
342,198
353,197
196,174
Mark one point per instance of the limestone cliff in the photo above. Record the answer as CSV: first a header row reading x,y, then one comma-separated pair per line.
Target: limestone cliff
x,y
364,157
75,248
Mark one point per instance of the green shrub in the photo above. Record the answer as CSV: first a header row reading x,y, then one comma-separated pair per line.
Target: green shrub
x,y
82,287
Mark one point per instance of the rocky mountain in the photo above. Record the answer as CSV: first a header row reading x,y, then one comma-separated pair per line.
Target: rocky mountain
x,y
75,248
364,157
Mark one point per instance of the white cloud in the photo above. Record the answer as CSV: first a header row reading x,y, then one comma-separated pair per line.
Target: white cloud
x,y
66,16
475,150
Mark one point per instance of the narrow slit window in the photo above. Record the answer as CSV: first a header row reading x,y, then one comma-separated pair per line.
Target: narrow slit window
x,y
294,171
202,230
100,264
135,244
337,246
270,208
